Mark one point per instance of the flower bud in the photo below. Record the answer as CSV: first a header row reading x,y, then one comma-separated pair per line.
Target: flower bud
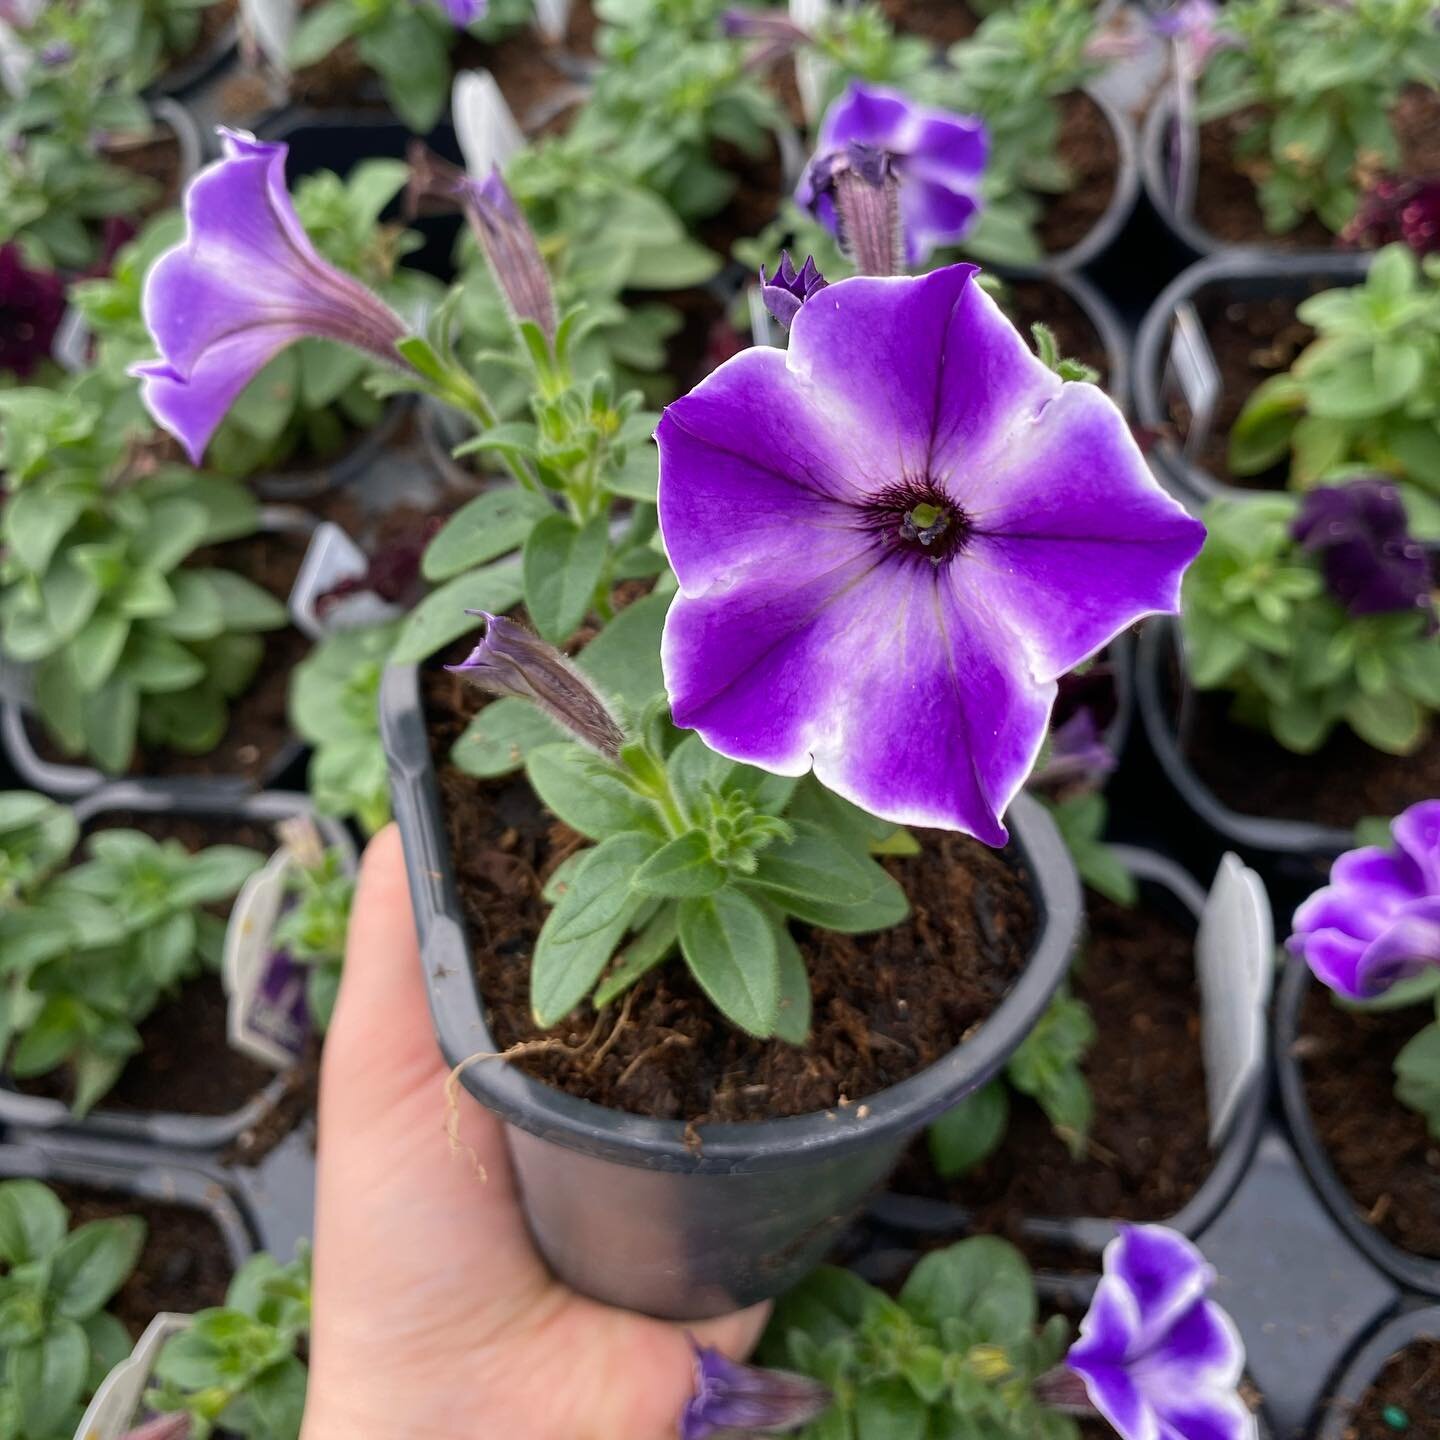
x,y
734,1398
788,289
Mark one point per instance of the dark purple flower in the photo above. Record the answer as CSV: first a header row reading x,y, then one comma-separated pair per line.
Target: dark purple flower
x,y
56,54
891,539
392,572
938,158
1078,755
31,305
509,660
730,1397
788,289
1159,1360
1403,210
244,283
1378,920
1360,534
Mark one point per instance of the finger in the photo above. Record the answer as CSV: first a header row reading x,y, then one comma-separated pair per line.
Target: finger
x,y
735,1335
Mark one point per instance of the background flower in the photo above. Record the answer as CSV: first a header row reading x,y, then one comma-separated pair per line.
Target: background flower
x,y
31,304
1378,920
1159,1360
891,540
939,158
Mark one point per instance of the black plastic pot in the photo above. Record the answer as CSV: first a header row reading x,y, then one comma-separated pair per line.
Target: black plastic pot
x,y
164,1128
1418,1272
182,81
1241,274
68,781
1164,885
1334,1420
1293,855
1127,188
350,465
630,1210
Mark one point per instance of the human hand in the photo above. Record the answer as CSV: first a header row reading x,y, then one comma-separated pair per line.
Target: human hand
x,y
434,1316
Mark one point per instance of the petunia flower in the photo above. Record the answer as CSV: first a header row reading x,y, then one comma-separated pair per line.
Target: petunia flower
x,y
1378,920
1360,533
32,303
244,283
891,539
1195,27
1159,1361
788,289
937,156
463,13
1398,209
1078,754
730,1398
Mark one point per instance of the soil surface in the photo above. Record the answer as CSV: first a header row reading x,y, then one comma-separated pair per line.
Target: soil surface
x,y
943,21
1341,783
1149,1146
885,1005
1380,1148
1226,203
185,1265
1253,340
759,181
1088,150
1410,1385
1029,301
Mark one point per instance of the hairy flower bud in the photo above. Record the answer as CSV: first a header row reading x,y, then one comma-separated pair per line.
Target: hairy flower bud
x,y
788,289
730,1398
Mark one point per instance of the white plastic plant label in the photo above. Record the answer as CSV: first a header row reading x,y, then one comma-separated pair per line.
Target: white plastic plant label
x,y
1191,366
71,345
552,19
270,24
265,989
14,62
331,558
763,329
811,72
113,1411
485,126
1235,964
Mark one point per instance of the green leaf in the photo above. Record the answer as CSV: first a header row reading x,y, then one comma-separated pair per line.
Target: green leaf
x,y
93,1263
32,1221
890,1410
413,61
111,717
624,658
277,1399
581,933
244,605
983,1282
792,1020
500,736
1261,435
49,1376
584,792
970,1131
323,30
730,949
642,953
493,523
639,477
681,868
562,564
1391,722
1417,1076
440,617
820,880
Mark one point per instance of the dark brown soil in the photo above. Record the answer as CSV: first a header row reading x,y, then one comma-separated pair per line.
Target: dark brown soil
x,y
1027,302
213,21
1380,1148
1226,203
885,1005
706,337
1409,1384
184,1267
943,21
157,160
1088,149
1149,1149
580,31
1341,783
1253,340
753,205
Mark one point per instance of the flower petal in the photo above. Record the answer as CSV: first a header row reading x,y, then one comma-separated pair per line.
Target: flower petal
x,y
1386,878
1417,833
1164,1272
1410,944
1201,1351
1114,1393
1110,1330
1078,539
1207,1417
1334,958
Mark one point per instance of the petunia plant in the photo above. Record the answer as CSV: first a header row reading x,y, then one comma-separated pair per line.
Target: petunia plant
x,y
1315,613
1373,936
315,917
1364,395
961,1350
37,835
1310,86
103,943
238,1368
59,1339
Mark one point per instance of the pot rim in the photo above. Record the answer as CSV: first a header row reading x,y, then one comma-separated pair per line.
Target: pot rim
x,y
730,1148
1249,832
1366,1362
1418,1272
1091,1233
170,1128
181,81
1189,482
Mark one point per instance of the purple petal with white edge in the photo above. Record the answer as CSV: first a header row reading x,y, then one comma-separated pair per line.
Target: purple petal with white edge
x,y
1110,1329
1409,945
1202,1349
1417,834
1206,1417
1164,1272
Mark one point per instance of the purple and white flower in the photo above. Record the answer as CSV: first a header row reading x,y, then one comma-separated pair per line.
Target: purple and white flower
x,y
892,539
788,289
244,283
1378,920
937,156
731,1397
1158,1359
